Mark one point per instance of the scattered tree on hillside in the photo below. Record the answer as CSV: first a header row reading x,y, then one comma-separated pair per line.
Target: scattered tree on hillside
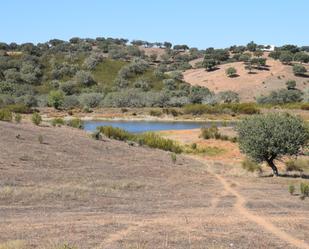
x,y
251,46
286,57
271,136
55,99
258,53
209,64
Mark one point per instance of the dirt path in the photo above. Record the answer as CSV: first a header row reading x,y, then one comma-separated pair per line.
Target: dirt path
x,y
240,206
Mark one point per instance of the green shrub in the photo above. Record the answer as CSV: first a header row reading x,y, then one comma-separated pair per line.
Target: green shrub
x,y
251,166
75,123
36,118
58,121
6,115
173,157
193,146
115,133
19,108
96,135
211,132
17,118
155,141
291,189
304,189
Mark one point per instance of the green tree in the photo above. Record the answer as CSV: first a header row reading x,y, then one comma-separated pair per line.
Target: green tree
x,y
299,69
56,99
270,136
251,46
286,57
209,64
231,71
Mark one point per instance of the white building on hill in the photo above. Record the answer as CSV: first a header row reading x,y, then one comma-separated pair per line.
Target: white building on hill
x,y
268,48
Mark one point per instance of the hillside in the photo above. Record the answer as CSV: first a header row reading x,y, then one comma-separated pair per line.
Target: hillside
x,y
71,189
248,86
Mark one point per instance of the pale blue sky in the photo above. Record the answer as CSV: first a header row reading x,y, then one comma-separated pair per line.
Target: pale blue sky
x,y
200,23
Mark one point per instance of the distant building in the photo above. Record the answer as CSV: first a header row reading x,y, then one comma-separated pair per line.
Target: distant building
x,y
268,48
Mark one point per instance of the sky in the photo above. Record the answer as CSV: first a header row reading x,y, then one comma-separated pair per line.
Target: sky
x,y
197,23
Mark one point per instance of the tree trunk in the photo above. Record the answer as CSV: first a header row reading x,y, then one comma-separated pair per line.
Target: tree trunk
x,y
273,167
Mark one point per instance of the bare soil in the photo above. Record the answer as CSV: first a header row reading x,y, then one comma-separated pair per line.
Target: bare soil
x,y
106,194
248,86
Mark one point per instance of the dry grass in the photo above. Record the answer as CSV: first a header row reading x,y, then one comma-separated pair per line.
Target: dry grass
x,y
93,194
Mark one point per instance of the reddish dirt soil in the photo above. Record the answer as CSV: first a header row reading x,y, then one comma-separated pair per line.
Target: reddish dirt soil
x,y
107,194
248,86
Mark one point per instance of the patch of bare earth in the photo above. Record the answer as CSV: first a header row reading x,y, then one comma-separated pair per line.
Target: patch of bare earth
x,y
248,86
107,194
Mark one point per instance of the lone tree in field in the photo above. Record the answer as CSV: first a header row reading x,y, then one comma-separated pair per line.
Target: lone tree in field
x,y
270,136
231,72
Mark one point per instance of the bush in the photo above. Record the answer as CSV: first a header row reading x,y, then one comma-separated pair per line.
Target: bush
x,y
251,166
55,99
211,132
291,189
6,115
115,133
304,189
58,121
91,100
36,118
281,96
19,108
75,123
299,69
155,141
84,78
17,118
70,102
173,157
231,72
297,165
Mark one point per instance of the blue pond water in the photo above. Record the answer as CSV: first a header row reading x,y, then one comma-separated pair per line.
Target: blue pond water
x,y
144,126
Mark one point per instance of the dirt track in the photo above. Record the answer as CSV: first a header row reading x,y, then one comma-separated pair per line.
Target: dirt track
x,y
96,194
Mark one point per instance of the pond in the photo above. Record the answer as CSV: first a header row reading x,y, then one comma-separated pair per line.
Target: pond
x,y
144,126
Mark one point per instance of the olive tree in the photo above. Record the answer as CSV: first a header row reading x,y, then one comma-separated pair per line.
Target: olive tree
x,y
270,136
299,69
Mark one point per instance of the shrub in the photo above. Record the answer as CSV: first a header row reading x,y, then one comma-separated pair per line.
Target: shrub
x,y
290,84
173,157
6,115
251,166
75,123
304,189
299,69
297,165
70,102
231,72
291,189
91,100
193,146
155,141
84,78
58,121
19,108
55,99
17,118
211,132
115,133
36,118
40,139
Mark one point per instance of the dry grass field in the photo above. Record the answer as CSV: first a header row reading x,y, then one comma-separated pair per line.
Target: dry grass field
x,y
71,189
